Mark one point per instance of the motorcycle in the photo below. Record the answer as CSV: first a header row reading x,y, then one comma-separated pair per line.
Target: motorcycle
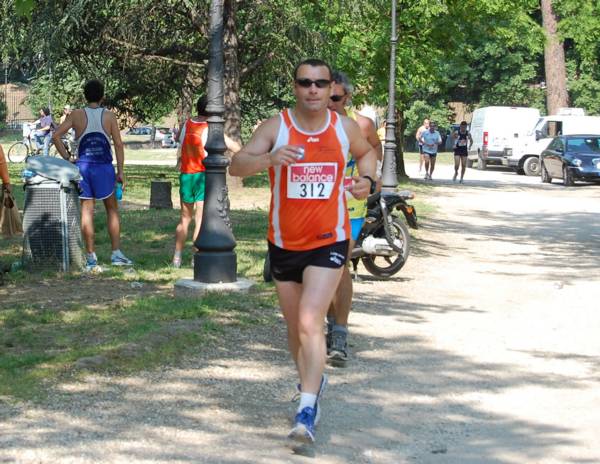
x,y
383,244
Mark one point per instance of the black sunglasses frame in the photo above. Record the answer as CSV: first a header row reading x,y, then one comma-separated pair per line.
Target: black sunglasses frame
x,y
306,83
337,98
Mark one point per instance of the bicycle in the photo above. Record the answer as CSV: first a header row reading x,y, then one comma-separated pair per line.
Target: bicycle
x,y
20,152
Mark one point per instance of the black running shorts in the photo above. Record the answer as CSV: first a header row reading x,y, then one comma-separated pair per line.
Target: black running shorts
x,y
288,265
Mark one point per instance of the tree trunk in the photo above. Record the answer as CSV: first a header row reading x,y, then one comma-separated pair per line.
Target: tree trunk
x,y
400,169
231,77
554,62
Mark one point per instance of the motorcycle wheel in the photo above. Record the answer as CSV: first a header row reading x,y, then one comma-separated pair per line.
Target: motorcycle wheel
x,y
386,266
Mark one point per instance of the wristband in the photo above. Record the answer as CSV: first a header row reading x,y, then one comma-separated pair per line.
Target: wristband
x,y
373,184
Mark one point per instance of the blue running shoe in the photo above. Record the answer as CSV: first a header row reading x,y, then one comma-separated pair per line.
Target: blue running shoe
x,y
91,265
304,426
119,259
322,388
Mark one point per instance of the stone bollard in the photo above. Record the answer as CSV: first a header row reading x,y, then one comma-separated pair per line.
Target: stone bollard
x,y
160,194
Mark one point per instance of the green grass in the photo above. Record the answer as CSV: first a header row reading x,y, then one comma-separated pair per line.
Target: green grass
x,y
40,346
49,321
148,154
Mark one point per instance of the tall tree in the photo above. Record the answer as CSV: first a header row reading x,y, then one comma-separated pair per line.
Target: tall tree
x,y
554,61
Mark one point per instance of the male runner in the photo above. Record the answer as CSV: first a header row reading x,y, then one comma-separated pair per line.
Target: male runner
x,y
305,150
190,163
337,318
94,127
431,139
462,144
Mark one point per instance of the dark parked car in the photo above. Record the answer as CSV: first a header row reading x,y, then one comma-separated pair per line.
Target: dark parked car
x,y
571,158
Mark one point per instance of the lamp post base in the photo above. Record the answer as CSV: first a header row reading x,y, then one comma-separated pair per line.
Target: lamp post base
x,y
215,267
188,288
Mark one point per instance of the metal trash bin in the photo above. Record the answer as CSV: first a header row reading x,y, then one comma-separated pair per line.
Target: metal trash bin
x,y
51,216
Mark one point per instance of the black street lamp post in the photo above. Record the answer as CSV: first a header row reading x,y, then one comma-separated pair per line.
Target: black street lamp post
x,y
215,260
389,178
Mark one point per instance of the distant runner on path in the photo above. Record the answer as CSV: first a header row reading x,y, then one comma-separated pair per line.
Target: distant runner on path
x,y
431,139
306,150
462,144
419,133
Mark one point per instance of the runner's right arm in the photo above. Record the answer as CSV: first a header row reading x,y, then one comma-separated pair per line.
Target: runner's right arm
x,y
58,134
255,156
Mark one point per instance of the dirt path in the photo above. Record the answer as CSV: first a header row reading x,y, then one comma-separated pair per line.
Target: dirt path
x,y
484,349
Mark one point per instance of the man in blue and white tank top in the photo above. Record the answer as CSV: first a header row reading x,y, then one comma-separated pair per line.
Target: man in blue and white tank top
x,y
94,128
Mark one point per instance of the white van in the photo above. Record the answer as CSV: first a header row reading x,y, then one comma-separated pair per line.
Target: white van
x,y
525,156
494,128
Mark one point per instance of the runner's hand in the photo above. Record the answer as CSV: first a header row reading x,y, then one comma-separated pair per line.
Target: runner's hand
x,y
121,179
286,155
360,187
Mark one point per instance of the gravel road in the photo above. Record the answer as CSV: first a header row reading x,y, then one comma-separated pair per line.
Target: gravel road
x,y
483,349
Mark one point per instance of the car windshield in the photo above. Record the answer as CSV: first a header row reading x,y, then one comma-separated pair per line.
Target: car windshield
x,y
538,126
584,144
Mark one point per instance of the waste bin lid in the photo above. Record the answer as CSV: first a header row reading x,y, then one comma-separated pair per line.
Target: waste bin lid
x,y
56,169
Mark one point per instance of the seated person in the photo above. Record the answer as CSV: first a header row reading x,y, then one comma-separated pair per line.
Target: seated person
x,y
44,133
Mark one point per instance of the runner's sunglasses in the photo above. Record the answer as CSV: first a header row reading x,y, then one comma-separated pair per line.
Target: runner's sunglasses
x,y
320,83
337,98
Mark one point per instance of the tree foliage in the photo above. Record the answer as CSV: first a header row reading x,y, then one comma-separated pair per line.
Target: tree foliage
x,y
152,54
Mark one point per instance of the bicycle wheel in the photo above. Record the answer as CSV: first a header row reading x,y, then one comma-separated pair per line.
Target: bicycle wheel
x,y
18,152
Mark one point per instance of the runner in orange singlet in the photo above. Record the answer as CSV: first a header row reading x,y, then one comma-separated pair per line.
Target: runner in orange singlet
x,y
192,178
305,150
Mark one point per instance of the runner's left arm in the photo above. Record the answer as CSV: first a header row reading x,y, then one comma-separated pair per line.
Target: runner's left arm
x,y
115,134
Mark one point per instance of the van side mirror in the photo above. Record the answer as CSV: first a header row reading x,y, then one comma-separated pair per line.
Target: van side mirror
x,y
538,134
516,135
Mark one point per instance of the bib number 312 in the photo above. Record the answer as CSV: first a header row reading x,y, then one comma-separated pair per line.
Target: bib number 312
x,y
312,190
311,181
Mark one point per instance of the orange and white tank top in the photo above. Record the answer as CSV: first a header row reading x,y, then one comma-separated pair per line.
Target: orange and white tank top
x,y
308,201
193,139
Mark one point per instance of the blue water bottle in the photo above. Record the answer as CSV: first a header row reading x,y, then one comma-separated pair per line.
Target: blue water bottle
x,y
119,191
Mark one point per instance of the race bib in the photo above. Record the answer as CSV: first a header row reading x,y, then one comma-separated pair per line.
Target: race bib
x,y
311,181
462,143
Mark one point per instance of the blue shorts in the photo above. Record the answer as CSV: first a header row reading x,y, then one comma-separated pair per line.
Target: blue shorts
x,y
97,181
431,155
355,227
